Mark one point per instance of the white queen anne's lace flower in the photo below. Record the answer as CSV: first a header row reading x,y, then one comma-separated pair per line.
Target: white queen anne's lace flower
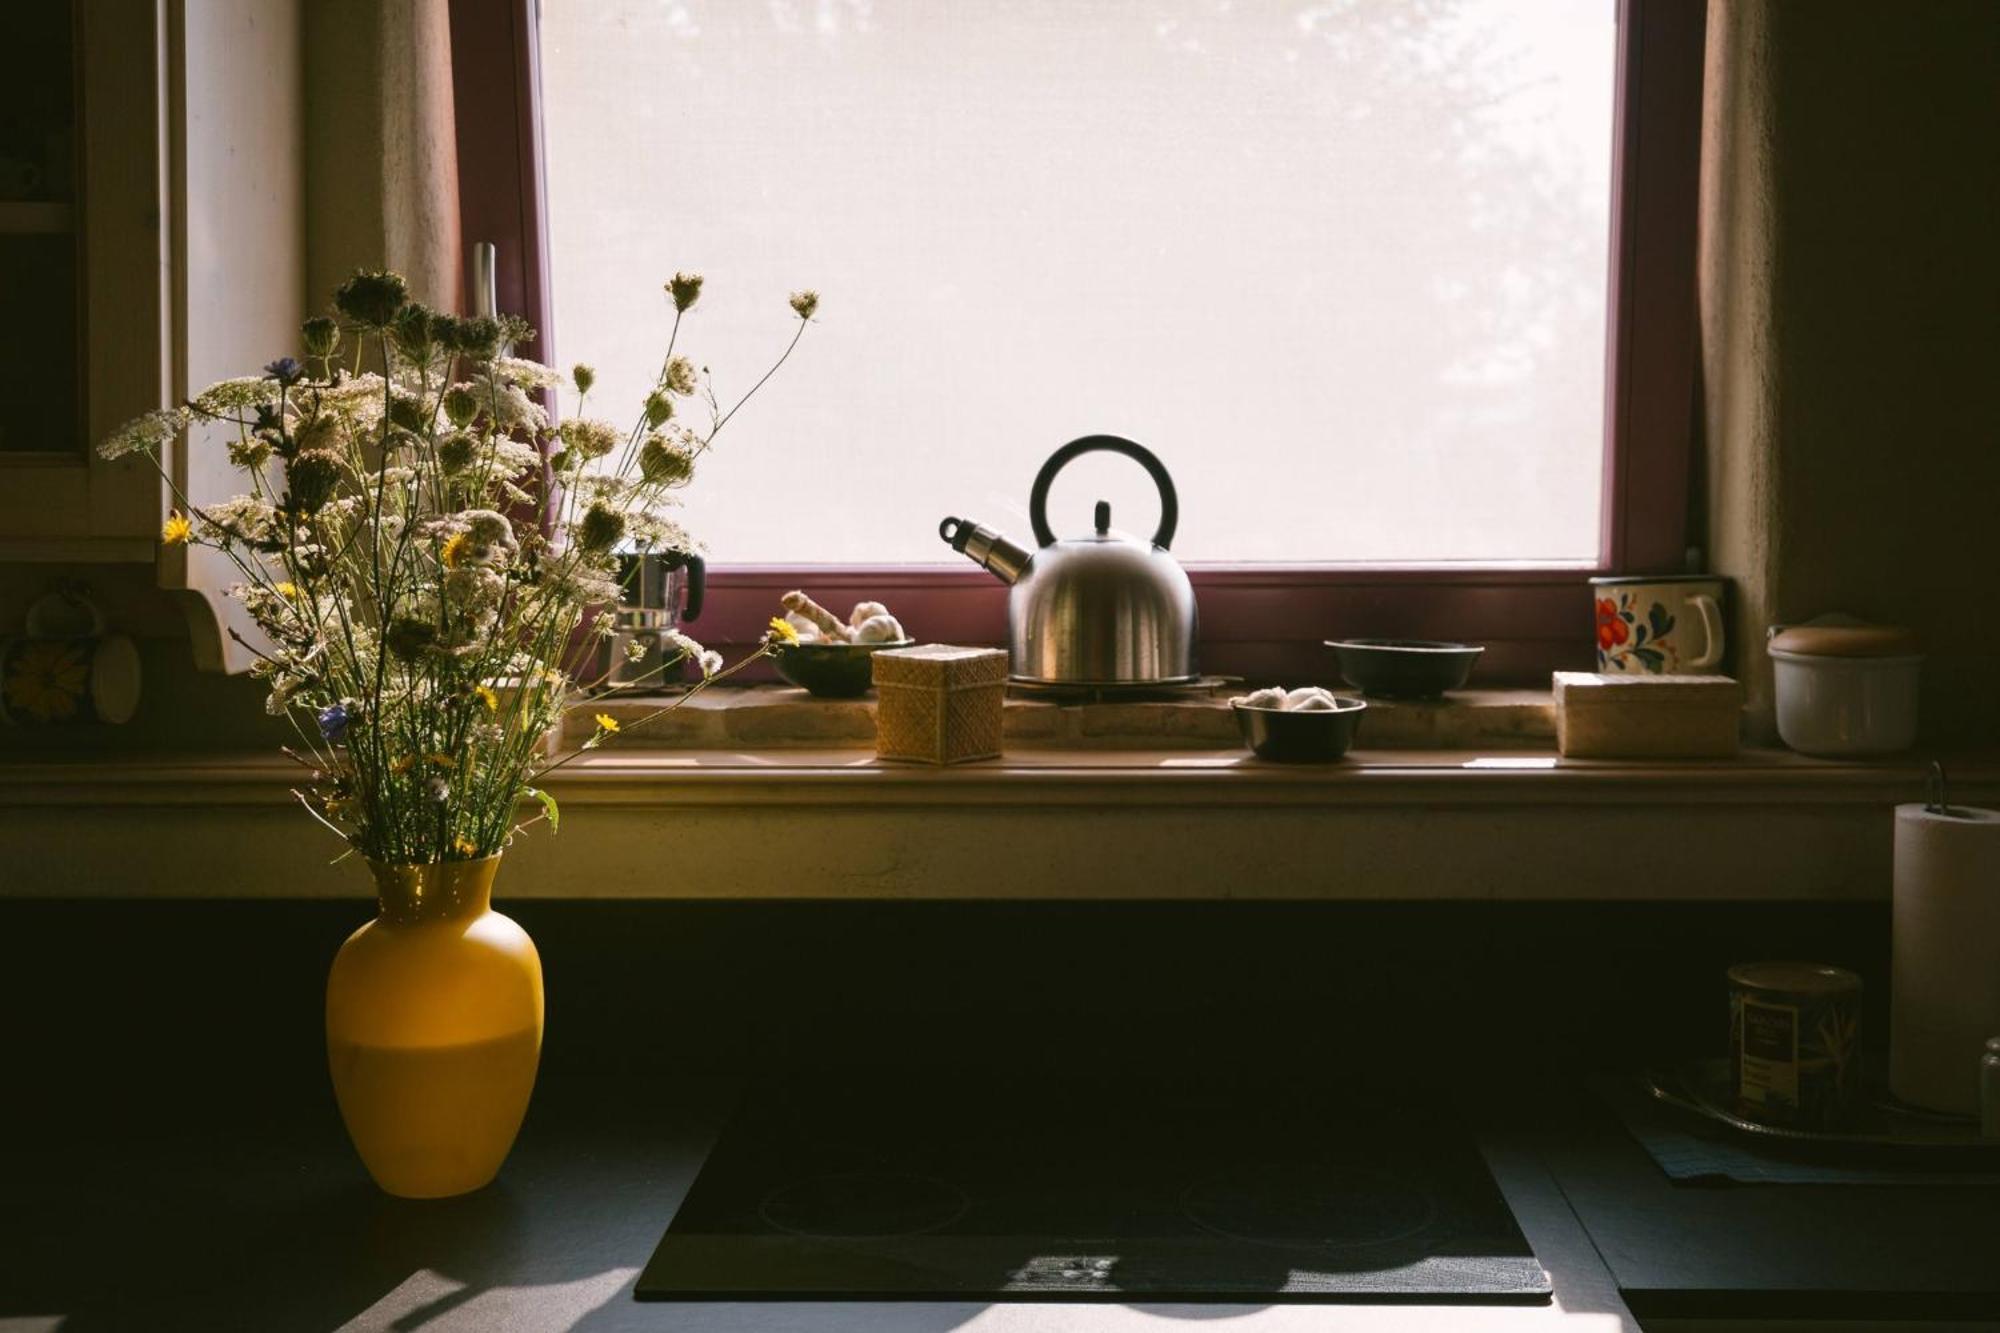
x,y
475,592
708,660
510,457
680,376
525,373
230,397
358,399
590,437
244,517
145,434
510,407
489,537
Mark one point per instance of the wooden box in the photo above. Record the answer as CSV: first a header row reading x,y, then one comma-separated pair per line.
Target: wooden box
x,y
938,704
1647,717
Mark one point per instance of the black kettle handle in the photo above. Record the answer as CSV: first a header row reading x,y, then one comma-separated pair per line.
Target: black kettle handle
x,y
1038,498
697,588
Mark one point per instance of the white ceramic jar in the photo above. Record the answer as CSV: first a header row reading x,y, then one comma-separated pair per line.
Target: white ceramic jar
x,y
1844,688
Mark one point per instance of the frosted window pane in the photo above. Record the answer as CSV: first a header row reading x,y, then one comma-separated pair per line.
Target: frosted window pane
x,y
1342,265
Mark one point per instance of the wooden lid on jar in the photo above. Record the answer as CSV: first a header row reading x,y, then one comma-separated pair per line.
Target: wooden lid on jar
x,y
1846,640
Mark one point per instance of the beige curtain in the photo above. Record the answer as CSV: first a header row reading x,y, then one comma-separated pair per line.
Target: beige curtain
x,y
381,156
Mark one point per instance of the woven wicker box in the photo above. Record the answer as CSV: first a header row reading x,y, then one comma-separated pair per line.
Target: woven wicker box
x,y
938,704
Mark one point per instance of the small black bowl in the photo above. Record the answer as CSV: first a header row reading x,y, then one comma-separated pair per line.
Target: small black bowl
x,y
1404,668
831,670
1311,736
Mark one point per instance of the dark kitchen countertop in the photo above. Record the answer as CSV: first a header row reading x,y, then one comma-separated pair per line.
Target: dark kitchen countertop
x,y
1892,1253
257,1216
254,1219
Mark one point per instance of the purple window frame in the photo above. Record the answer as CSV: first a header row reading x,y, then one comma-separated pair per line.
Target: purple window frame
x,y
1258,621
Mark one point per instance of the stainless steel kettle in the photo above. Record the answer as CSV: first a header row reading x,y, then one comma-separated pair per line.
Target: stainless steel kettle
x,y
1106,609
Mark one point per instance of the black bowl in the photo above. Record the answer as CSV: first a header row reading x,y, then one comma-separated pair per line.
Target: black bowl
x,y
831,670
1309,736
1404,668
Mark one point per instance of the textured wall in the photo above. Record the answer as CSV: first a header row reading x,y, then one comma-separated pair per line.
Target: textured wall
x,y
1850,292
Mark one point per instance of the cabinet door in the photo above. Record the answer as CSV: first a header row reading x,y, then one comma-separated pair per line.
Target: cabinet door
x,y
186,222
98,230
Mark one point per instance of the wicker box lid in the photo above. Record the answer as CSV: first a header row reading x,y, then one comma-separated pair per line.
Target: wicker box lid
x,y
1646,717
1593,689
940,666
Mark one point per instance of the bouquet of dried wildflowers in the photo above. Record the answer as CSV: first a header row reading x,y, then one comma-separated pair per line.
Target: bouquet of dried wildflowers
x,y
432,560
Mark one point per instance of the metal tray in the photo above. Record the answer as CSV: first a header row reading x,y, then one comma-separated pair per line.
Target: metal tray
x,y
1878,1127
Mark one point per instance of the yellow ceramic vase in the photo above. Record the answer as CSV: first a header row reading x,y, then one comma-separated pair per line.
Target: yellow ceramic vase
x,y
434,1029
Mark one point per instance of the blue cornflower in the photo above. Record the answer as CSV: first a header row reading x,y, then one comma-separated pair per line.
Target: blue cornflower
x,y
285,371
333,721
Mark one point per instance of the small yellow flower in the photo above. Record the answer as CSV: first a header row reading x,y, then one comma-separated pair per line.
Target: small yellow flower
x,y
403,765
440,761
485,695
288,589
607,724
781,629
454,549
464,846
177,529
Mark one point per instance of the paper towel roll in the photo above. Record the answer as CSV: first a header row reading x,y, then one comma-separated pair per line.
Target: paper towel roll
x,y
1945,985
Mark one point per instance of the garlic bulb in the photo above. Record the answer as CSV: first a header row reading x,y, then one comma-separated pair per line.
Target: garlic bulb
x,y
1310,699
1268,697
880,628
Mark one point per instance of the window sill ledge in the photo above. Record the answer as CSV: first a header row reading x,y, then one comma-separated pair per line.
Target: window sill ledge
x,y
767,717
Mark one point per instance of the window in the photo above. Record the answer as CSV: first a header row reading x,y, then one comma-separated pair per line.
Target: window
x,y
1352,269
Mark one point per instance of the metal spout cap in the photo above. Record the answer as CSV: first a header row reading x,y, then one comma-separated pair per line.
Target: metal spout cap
x,y
986,548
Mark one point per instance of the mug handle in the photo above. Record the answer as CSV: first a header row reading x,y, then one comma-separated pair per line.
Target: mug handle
x,y
1711,626
52,603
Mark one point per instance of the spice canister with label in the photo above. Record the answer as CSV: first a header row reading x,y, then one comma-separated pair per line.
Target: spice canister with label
x,y
1794,1042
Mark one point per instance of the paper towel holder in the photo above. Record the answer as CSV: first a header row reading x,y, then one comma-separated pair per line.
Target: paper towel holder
x,y
1937,795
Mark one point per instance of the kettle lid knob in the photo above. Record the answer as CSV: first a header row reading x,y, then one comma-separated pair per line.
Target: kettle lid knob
x,y
1103,517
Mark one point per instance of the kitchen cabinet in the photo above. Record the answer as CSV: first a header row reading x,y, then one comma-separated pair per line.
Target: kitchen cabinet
x,y
161,246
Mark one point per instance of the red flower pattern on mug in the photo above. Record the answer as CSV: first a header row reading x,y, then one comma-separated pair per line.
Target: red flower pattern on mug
x,y
1611,629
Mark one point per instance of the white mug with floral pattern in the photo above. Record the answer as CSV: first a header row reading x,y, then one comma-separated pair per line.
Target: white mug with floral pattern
x,y
1659,625
66,669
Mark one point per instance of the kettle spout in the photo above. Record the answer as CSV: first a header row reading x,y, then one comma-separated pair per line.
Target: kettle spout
x,y
987,548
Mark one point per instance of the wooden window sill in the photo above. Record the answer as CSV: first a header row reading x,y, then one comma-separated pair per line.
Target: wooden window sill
x,y
771,717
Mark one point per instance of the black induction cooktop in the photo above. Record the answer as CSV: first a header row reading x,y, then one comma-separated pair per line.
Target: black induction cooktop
x,y
1060,1190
